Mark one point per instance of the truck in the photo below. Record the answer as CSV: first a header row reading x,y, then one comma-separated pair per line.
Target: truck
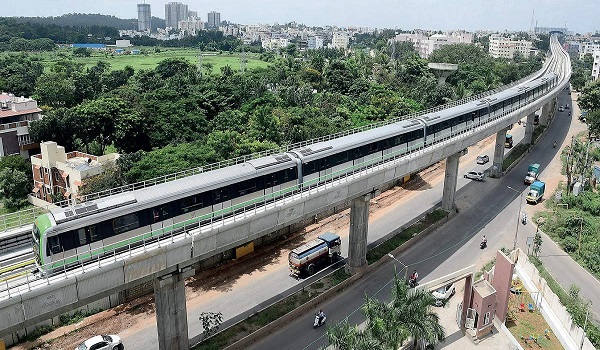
x,y
508,142
326,249
536,192
532,173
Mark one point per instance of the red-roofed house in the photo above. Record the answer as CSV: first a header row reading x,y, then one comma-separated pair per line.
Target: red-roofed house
x,y
15,115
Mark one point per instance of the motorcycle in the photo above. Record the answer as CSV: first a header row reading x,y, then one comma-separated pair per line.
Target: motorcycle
x,y
554,144
483,244
412,282
319,321
524,219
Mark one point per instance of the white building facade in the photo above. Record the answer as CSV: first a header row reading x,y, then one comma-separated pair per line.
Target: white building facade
x,y
503,47
426,45
596,66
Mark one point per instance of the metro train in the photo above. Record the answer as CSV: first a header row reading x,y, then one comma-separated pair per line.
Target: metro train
x,y
67,236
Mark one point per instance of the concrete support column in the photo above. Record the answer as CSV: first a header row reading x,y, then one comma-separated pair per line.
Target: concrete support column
x,y
527,139
498,154
545,114
450,182
359,227
171,313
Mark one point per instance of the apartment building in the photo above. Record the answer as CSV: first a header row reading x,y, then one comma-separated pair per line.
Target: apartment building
x,y
340,40
55,171
174,13
426,45
505,47
16,113
191,26
596,66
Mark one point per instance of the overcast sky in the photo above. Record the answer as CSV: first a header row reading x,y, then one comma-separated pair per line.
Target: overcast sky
x,y
579,15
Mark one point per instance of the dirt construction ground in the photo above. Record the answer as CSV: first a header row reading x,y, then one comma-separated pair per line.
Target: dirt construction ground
x,y
138,314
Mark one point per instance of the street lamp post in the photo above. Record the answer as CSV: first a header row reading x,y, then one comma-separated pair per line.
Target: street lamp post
x,y
518,215
401,263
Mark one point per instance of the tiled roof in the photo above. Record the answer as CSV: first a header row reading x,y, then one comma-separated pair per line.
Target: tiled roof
x,y
11,113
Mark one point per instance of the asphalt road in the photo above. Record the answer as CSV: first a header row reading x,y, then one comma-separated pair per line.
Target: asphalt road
x,y
488,208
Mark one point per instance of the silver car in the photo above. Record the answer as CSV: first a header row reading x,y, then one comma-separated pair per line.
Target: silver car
x,y
102,342
475,175
483,159
442,294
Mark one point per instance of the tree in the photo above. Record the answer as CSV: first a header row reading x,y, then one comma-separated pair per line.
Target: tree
x,y
211,321
537,244
391,324
18,74
110,177
82,52
14,186
590,97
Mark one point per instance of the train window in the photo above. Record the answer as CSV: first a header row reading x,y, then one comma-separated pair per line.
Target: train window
x,y
187,204
324,163
246,187
94,236
290,175
373,147
54,245
161,213
309,168
81,237
220,195
270,180
126,223
340,158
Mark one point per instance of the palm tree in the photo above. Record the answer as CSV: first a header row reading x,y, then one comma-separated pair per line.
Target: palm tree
x,y
413,312
389,325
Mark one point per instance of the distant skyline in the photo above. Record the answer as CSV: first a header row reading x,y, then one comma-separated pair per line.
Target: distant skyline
x,y
580,16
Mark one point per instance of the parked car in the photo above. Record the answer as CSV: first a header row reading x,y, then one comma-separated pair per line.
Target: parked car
x,y
442,294
567,107
483,159
102,342
560,109
474,175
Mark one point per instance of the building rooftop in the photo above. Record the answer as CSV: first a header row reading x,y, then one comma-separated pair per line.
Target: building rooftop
x,y
484,288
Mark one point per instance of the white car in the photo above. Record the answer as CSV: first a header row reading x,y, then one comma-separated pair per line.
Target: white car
x,y
483,159
475,175
560,109
443,293
102,342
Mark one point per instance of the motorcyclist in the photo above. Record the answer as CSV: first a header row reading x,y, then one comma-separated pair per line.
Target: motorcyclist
x,y
321,315
484,240
554,144
413,277
524,219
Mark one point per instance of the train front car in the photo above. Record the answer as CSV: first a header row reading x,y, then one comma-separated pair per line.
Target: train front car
x,y
42,225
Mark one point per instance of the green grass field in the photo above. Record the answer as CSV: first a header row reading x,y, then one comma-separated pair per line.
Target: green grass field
x,y
151,60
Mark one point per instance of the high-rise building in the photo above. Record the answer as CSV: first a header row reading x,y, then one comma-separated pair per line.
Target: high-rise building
x,y
144,17
213,20
175,12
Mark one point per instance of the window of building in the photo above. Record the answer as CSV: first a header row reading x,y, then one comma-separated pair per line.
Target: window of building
x,y
486,318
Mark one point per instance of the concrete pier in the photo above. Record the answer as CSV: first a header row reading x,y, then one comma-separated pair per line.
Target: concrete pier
x,y
171,311
450,182
498,153
359,228
527,139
